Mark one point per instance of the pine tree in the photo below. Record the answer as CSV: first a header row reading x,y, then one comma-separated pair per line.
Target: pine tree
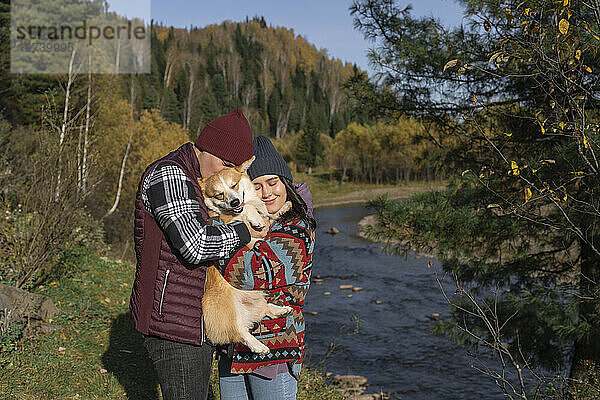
x,y
523,216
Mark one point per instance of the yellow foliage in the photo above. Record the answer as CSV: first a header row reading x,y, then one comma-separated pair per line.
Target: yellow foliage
x,y
151,138
372,151
527,194
563,26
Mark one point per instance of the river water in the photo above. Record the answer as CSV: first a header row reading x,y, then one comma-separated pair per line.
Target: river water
x,y
391,343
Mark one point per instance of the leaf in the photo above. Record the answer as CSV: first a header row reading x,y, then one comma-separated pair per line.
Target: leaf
x,y
494,56
563,26
527,194
586,143
466,172
450,64
565,3
588,69
494,205
578,55
541,127
509,134
487,26
514,169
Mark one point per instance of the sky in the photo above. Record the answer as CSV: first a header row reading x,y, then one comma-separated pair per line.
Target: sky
x,y
325,23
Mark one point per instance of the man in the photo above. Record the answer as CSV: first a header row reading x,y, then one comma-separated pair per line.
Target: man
x,y
173,247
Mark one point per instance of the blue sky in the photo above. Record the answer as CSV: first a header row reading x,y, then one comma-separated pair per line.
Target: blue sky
x,y
324,23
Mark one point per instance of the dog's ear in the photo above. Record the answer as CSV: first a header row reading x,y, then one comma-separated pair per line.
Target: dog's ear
x,y
202,184
243,167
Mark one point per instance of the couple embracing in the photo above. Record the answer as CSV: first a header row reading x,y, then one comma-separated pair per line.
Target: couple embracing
x,y
175,244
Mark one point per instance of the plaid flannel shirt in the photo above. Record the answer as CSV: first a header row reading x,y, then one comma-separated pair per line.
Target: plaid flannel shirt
x,y
169,195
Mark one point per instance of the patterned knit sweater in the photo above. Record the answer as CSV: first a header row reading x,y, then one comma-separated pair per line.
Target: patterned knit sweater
x,y
280,264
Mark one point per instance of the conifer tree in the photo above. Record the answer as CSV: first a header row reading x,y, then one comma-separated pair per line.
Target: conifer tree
x,y
517,86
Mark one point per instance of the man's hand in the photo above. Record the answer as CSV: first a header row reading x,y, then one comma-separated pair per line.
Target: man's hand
x,y
262,233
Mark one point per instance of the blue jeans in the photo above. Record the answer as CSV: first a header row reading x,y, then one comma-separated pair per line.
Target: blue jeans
x,y
254,387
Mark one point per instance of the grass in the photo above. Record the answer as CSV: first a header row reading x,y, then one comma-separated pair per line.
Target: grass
x,y
97,354
325,191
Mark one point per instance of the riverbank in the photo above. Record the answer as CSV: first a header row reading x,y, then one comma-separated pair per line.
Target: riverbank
x,y
372,220
92,350
330,194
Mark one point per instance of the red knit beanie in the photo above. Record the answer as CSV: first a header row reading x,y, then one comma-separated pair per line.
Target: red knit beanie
x,y
227,137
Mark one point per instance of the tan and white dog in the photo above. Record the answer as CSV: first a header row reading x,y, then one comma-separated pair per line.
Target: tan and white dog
x,y
230,313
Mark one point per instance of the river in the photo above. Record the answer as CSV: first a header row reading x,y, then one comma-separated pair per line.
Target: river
x,y
390,343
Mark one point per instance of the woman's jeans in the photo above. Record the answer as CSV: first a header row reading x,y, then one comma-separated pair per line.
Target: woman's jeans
x,y
183,369
254,387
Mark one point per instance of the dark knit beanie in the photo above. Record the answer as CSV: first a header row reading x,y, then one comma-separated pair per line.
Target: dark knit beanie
x,y
268,161
227,137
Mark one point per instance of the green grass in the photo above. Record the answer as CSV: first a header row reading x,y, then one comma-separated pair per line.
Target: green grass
x,y
97,354
323,189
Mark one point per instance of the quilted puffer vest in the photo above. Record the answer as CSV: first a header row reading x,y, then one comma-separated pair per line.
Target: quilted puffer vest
x,y
166,300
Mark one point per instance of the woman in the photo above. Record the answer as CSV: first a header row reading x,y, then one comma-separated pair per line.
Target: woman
x,y
281,264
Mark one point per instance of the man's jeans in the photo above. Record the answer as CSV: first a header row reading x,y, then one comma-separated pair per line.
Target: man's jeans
x,y
183,369
254,387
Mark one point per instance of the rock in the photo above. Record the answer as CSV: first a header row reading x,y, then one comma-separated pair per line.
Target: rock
x,y
353,387
326,293
318,281
350,382
333,230
373,396
357,289
378,301
349,296
23,305
345,287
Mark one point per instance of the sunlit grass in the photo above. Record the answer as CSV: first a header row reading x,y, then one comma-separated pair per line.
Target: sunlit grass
x,y
325,191
96,354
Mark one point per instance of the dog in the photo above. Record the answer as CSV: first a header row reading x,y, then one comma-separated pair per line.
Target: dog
x,y
230,313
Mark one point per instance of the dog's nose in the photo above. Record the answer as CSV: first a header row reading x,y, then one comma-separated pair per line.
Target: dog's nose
x,y
234,203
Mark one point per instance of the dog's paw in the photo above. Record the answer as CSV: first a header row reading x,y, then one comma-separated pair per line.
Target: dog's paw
x,y
285,310
258,348
258,226
286,207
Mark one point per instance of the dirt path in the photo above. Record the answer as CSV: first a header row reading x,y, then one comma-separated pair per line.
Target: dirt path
x,y
361,196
